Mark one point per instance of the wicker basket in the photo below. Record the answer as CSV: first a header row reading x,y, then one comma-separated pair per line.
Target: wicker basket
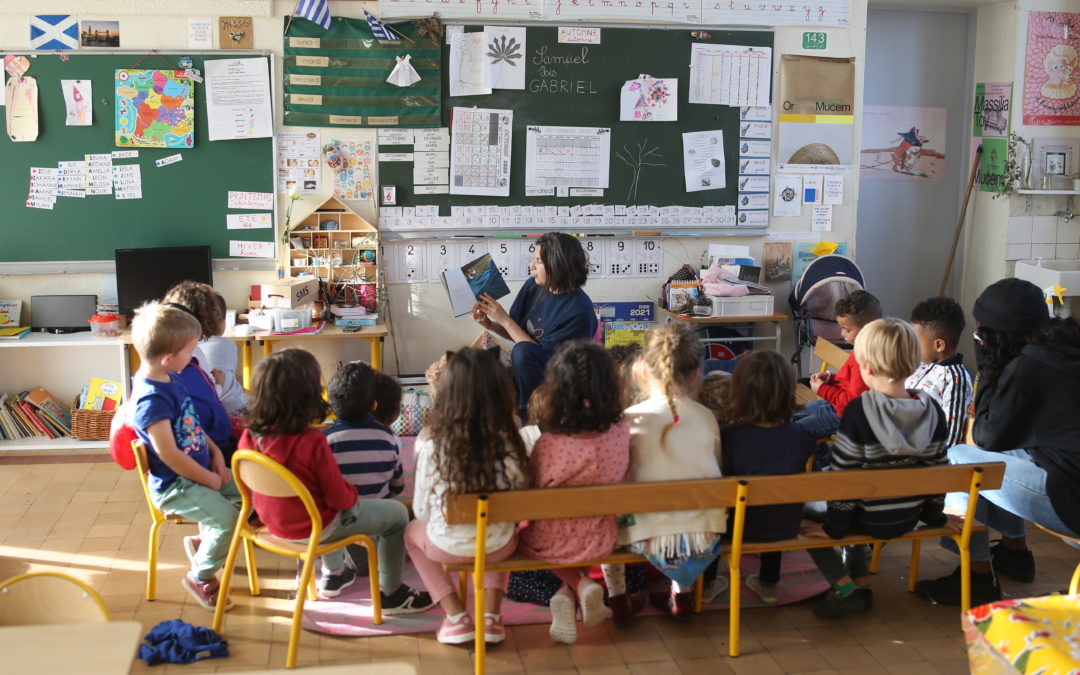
x,y
90,425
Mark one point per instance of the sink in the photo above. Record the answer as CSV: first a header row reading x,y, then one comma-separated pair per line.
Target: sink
x,y
1064,273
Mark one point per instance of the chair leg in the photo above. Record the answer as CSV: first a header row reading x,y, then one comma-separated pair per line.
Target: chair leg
x,y
735,602
373,579
252,571
306,576
478,623
875,557
699,592
463,586
913,567
226,580
151,561
965,579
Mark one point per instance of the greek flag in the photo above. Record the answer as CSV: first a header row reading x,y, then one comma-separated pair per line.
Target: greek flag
x,y
315,11
54,31
379,29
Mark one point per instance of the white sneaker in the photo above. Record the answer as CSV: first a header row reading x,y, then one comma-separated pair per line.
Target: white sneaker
x,y
591,597
563,617
714,590
767,592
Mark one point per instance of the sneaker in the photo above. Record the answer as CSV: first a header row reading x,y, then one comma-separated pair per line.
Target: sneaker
x,y
714,590
563,617
405,600
624,607
767,592
494,631
331,585
946,590
191,547
205,592
833,605
1018,565
591,597
456,632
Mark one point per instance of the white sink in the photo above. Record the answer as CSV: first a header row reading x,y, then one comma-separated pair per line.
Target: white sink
x,y
1064,273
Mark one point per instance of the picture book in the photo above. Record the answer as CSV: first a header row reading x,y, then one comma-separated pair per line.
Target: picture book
x,y
467,283
46,402
103,394
10,311
626,332
13,332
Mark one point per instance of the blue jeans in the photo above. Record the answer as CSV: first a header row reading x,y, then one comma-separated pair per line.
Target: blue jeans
x,y
527,362
1022,497
819,418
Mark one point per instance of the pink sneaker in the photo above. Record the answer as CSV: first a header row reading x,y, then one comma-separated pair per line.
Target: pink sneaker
x,y
205,592
456,632
494,631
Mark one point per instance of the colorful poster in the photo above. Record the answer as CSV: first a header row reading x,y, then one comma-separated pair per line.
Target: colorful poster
x,y
649,99
1051,69
776,260
817,119
154,109
353,180
992,166
77,97
903,143
806,251
993,103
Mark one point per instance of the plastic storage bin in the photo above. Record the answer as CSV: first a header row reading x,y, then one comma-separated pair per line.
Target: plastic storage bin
x,y
748,305
291,319
104,325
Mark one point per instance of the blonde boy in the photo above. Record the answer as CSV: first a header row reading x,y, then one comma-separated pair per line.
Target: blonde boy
x,y
886,427
187,473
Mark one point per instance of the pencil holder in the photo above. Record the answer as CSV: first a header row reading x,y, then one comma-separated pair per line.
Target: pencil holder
x,y
90,425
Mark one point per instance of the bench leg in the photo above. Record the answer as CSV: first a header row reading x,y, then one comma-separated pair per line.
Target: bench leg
x,y
965,579
875,557
913,568
478,612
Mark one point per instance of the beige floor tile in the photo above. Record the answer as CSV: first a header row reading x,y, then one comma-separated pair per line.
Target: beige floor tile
x,y
716,665
648,650
668,667
799,660
853,656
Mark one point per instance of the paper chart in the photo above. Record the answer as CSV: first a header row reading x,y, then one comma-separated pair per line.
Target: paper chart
x,y
354,180
299,162
730,75
480,151
567,156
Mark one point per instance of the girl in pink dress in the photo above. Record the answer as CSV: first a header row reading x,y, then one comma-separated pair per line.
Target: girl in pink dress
x,y
582,442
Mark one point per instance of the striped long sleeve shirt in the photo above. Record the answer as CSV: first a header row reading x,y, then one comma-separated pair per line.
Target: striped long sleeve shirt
x,y
949,384
369,456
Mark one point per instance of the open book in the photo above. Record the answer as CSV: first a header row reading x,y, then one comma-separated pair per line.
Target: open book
x,y
466,284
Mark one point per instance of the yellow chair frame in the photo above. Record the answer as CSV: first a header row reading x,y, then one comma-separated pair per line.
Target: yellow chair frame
x,y
255,472
157,519
48,602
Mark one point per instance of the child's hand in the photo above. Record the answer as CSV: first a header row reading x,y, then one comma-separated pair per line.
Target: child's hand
x,y
955,523
219,376
213,481
813,530
217,466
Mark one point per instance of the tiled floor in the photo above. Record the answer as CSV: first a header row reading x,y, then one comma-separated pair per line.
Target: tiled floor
x,y
89,519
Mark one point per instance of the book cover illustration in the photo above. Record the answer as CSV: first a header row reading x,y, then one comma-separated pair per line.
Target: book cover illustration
x,y
467,284
47,403
10,312
103,394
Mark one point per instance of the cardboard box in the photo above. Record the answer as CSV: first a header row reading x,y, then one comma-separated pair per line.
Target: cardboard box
x,y
290,293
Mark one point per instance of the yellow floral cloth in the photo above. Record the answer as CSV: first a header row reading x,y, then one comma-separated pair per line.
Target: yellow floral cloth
x,y
1032,635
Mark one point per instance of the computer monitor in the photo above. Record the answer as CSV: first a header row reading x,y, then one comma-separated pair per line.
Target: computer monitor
x,y
144,274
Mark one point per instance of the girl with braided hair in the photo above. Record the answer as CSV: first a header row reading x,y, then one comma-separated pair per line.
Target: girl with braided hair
x,y
582,442
672,437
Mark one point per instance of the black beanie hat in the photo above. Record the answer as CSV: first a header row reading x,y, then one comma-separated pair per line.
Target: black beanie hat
x,y
1011,306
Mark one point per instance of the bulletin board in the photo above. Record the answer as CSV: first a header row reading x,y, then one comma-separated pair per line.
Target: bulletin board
x,y
587,93
182,204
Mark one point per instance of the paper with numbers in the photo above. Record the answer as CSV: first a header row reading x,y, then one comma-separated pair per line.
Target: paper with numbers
x,y
567,156
733,75
480,152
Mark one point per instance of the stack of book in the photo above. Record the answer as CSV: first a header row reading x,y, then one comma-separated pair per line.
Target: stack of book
x,y
10,314
33,413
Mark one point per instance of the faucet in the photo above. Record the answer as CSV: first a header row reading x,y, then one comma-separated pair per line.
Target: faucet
x,y
1067,215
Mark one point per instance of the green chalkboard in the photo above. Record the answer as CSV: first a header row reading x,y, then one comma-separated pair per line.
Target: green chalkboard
x,y
579,85
182,204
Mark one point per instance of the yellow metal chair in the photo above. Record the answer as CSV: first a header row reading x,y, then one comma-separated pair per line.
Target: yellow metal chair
x,y
159,518
39,598
254,472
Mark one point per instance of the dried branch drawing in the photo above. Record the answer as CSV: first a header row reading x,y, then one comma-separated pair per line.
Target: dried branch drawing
x,y
638,162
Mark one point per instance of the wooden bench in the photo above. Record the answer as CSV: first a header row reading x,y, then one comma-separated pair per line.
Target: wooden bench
x,y
735,493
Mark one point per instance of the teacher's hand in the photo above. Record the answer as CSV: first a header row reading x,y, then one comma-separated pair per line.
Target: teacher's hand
x,y
479,316
493,310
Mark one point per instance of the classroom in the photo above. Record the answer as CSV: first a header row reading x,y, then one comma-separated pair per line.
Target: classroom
x,y
710,198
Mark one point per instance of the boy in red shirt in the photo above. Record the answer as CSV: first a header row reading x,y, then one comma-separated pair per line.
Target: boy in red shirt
x,y
822,418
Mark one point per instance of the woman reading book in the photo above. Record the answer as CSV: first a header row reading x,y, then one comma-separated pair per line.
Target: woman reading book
x,y
551,308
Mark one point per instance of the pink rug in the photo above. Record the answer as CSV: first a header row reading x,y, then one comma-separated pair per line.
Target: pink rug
x,y
350,613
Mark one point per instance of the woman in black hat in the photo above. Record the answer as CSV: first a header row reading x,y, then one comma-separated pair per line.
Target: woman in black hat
x,y
1025,415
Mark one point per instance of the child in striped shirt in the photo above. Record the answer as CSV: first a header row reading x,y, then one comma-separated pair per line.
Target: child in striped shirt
x,y
939,323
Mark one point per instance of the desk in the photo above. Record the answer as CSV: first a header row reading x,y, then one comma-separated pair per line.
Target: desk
x,y
373,334
704,321
90,648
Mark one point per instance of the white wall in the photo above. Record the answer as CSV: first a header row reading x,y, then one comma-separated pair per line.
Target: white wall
x,y
421,327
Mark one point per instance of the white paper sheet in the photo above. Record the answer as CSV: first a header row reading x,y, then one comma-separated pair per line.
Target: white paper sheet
x,y
480,151
832,190
811,190
299,162
506,56
238,99
200,35
649,99
251,249
469,67
703,160
250,200
567,156
787,195
821,218
730,75
247,221
77,97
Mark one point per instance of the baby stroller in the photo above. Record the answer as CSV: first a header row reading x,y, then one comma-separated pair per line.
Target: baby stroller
x,y
813,299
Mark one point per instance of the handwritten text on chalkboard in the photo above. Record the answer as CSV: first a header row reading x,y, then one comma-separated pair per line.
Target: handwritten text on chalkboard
x,y
556,70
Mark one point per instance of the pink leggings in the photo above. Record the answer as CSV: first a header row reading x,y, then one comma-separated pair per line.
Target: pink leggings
x,y
429,558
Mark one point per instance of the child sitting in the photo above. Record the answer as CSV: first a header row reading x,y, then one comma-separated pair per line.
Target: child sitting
x,y
887,427
286,397
582,442
387,402
187,473
672,437
625,356
217,355
470,445
939,322
761,440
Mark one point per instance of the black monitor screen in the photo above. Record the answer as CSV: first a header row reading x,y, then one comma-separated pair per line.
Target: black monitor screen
x,y
144,274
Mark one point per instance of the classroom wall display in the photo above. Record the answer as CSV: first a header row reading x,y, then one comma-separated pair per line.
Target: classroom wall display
x,y
817,120
77,197
992,110
338,78
903,143
154,109
570,108
1051,67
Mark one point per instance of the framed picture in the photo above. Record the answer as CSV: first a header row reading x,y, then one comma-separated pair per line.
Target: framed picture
x,y
1054,163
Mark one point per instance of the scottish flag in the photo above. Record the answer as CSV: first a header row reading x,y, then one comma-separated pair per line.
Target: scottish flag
x,y
54,31
315,11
